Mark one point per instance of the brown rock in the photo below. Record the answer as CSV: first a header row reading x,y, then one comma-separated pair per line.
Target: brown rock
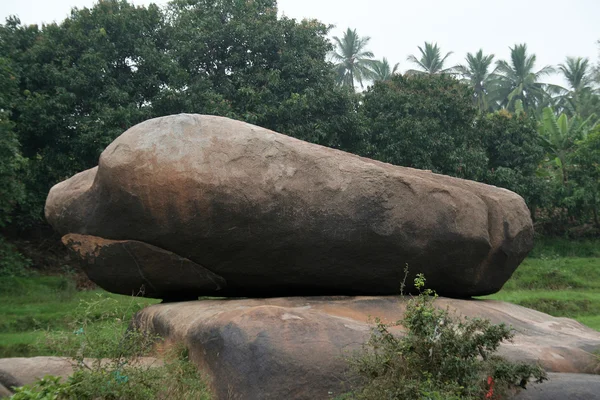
x,y
4,392
294,348
157,272
27,370
273,215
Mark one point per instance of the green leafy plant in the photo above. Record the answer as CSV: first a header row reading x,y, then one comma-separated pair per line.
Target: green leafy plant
x,y
47,388
439,357
109,360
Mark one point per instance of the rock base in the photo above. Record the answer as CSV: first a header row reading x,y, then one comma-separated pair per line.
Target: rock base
x,y
295,348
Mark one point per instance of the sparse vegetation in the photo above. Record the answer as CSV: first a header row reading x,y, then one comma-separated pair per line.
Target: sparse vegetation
x,y
99,332
440,356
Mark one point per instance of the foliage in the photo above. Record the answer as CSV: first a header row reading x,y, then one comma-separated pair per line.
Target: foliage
x,y
12,263
68,89
84,81
559,134
439,357
426,122
513,152
48,388
382,71
517,80
352,59
577,73
478,75
11,161
107,361
431,60
586,176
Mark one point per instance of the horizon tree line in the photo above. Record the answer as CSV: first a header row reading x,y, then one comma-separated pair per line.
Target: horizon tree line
x,y
497,84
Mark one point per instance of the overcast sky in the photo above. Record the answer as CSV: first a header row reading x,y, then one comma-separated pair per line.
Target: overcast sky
x,y
552,29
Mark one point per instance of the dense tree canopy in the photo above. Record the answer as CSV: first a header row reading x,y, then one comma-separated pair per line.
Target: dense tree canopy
x,y
68,89
424,122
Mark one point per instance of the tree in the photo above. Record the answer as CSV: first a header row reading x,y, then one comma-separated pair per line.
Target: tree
x,y
477,73
431,60
424,121
11,161
516,80
577,72
513,153
381,70
558,136
82,83
352,59
586,174
263,69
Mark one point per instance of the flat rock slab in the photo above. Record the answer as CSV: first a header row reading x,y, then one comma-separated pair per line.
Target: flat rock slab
x,y
563,387
20,371
275,216
295,348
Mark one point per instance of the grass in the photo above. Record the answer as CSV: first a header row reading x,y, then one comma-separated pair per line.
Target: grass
x,y
30,306
560,278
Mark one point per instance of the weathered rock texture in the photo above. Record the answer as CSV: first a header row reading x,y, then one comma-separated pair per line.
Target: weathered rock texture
x,y
273,215
563,387
156,272
294,348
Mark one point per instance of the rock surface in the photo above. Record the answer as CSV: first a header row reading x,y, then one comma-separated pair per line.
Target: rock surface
x,y
563,387
294,348
20,371
273,215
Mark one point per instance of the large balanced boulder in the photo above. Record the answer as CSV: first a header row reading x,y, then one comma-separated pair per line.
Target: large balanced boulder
x,y
296,348
272,215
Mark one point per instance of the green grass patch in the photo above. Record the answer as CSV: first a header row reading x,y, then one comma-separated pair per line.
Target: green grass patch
x,y
560,247
560,278
559,273
29,306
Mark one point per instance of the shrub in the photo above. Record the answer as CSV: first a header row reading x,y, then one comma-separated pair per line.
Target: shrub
x,y
440,357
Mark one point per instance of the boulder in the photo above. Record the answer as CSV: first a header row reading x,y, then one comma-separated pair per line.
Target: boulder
x,y
108,263
26,370
296,348
275,216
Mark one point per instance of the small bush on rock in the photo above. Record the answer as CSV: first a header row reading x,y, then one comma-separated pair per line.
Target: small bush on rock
x,y
440,357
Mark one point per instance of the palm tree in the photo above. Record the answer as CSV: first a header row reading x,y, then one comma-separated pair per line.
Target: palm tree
x,y
381,70
431,60
577,72
352,59
477,74
517,80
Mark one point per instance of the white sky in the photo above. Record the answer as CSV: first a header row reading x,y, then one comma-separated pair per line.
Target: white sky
x,y
552,29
